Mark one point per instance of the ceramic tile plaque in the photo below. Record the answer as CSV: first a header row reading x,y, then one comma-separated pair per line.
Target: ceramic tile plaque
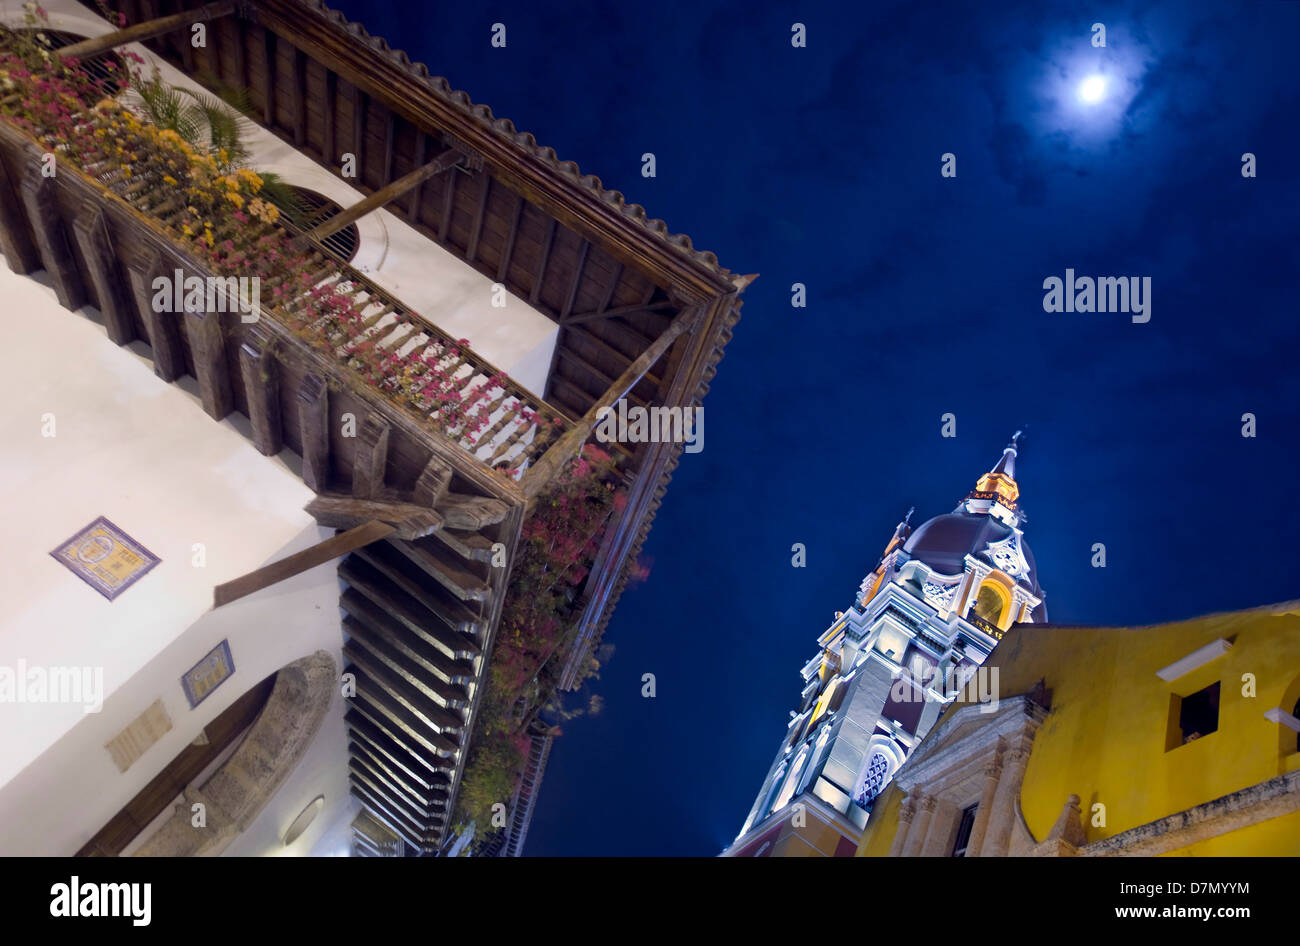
x,y
106,558
208,674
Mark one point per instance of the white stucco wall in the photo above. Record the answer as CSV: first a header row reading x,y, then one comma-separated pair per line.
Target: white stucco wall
x,y
143,454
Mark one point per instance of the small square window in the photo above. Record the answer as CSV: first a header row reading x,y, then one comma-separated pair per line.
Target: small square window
x,y
1193,716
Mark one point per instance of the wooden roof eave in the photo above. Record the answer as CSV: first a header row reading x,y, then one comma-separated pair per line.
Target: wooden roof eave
x,y
556,187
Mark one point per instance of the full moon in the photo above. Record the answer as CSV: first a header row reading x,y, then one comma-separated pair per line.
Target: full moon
x,y
1092,89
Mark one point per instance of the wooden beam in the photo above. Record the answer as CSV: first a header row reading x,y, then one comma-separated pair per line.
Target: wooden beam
x,y
570,393
371,460
605,380
503,268
547,243
329,107
208,349
577,280
609,290
90,230
261,376
684,322
241,56
47,226
433,482
299,562
182,40
603,346
409,521
146,30
358,126
16,240
164,337
390,132
448,208
298,95
313,422
421,152
471,513
444,162
267,53
629,309
212,57
476,230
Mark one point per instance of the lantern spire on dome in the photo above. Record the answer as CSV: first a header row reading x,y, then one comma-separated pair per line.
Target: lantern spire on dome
x,y
1000,482
1007,463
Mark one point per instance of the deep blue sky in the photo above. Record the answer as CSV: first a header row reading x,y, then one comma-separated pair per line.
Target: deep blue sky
x,y
821,165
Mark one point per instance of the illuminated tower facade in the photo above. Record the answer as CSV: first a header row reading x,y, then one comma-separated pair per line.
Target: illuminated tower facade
x,y
936,604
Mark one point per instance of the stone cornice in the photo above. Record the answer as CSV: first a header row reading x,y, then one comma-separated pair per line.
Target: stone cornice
x,y
1260,802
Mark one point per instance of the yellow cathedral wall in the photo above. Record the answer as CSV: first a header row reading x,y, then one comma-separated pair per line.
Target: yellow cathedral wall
x,y
1105,737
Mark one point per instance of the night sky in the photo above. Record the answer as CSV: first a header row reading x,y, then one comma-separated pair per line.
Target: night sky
x,y
821,165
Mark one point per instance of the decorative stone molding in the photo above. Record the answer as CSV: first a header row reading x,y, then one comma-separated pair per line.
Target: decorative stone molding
x,y
973,758
1269,799
1066,836
907,812
238,791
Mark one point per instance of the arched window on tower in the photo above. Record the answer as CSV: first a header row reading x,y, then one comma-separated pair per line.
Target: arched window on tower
x,y
991,603
874,781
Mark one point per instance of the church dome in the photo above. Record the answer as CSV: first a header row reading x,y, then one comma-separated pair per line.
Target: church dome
x,y
944,542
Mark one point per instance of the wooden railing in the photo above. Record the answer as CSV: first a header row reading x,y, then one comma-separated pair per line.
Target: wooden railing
x,y
510,428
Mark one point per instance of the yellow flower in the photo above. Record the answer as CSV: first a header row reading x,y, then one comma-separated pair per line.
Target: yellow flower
x,y
253,180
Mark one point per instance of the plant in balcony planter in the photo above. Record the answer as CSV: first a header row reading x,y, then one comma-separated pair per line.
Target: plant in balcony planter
x,y
210,126
175,160
559,544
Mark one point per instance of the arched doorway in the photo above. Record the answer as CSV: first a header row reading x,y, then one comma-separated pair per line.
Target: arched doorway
x,y
238,791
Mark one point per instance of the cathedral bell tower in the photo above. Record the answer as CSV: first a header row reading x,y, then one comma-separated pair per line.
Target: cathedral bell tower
x,y
934,607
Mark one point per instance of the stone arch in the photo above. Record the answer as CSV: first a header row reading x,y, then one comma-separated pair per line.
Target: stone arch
x,y
237,792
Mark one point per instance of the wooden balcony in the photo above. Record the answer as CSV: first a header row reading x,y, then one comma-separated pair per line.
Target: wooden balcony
x,y
642,315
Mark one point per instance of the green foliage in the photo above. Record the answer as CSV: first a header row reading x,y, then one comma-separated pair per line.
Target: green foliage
x,y
495,765
560,541
205,123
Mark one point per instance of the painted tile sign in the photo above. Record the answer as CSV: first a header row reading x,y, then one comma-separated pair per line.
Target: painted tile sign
x,y
208,674
106,558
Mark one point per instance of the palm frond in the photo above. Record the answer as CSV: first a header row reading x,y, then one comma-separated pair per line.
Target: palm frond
x,y
224,127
